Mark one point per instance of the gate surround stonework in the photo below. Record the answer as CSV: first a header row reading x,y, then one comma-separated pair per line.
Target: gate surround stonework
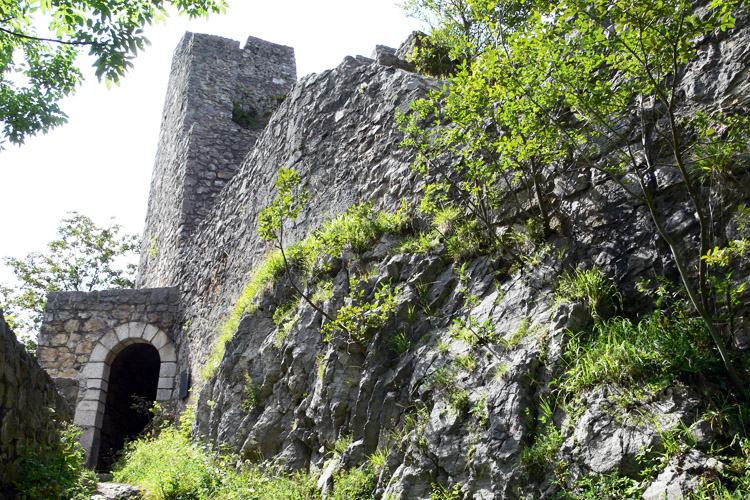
x,y
89,412
84,332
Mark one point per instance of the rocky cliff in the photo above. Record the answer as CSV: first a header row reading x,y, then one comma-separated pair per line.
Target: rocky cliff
x,y
445,413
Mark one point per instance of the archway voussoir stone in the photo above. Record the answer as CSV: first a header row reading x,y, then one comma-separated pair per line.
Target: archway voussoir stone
x,y
123,332
135,329
99,353
109,340
160,340
131,340
167,354
96,370
149,333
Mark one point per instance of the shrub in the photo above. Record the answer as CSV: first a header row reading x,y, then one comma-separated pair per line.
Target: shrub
x,y
56,471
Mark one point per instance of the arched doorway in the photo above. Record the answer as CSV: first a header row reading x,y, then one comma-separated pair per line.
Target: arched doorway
x,y
95,378
133,382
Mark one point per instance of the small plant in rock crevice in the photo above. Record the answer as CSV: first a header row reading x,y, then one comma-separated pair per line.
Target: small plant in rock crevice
x,y
251,399
592,287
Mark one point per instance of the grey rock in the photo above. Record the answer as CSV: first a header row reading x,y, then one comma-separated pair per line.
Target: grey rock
x,y
681,476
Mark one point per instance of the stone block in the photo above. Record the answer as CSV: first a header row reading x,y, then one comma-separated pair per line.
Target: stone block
x,y
109,340
168,369
97,384
94,394
96,370
87,406
122,332
99,353
72,325
166,382
149,333
163,394
59,339
160,340
136,329
167,354
93,325
88,418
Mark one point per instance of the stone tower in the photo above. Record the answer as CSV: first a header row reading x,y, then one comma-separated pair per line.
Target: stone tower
x,y
103,348
219,99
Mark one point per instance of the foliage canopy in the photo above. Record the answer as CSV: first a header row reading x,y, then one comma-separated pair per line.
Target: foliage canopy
x,y
85,257
38,66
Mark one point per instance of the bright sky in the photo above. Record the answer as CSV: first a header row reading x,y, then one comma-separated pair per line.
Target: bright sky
x,y
99,164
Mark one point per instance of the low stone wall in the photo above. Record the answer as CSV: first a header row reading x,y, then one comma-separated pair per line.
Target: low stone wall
x,y
30,407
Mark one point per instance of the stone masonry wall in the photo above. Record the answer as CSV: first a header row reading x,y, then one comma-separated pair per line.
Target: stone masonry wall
x,y
338,130
200,146
75,321
29,405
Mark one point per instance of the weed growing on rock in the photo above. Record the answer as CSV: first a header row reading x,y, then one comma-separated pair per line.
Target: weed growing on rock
x,y
285,320
354,484
251,400
400,343
440,492
360,318
657,350
592,287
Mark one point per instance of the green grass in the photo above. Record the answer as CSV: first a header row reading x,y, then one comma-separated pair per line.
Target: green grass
x,y
170,466
659,349
592,287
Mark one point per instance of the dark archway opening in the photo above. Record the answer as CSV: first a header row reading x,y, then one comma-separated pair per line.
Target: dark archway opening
x,y
133,380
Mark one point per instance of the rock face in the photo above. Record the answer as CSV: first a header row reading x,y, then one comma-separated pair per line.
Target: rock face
x,y
445,412
438,407
30,407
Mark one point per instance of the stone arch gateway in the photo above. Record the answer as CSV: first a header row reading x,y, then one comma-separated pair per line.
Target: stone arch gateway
x,y
85,334
95,378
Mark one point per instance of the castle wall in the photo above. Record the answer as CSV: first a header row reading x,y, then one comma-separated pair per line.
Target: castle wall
x,y
81,336
340,134
29,406
213,85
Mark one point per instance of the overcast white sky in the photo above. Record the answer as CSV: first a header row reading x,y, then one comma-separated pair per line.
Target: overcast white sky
x,y
99,163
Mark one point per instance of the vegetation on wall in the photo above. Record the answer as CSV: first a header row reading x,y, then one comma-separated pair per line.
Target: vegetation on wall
x,y
606,77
